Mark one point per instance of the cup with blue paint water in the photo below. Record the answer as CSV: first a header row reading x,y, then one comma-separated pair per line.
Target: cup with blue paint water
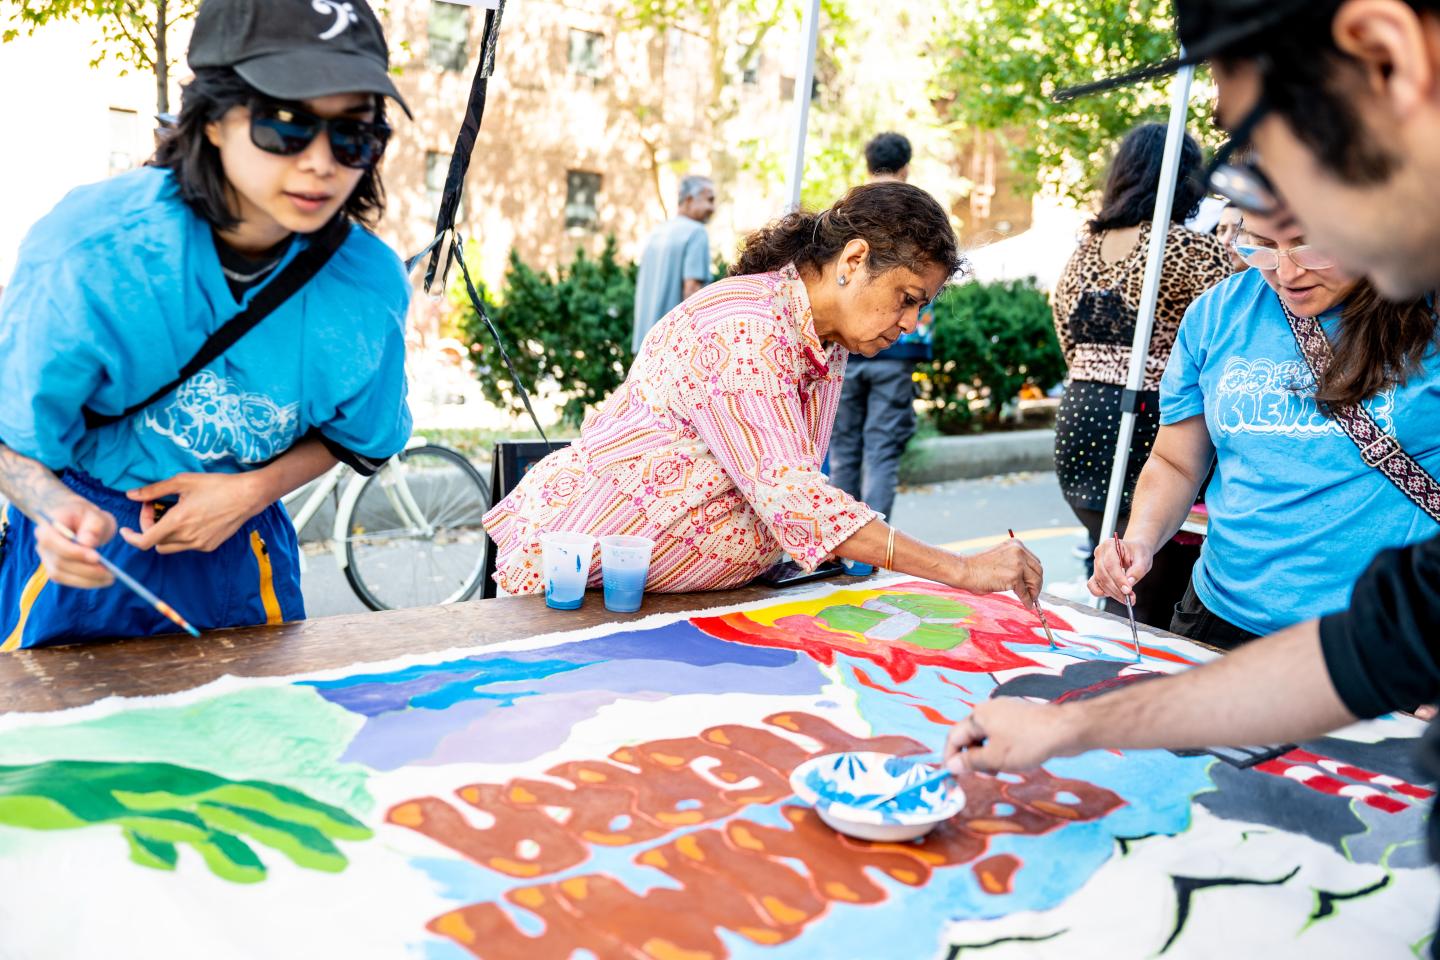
x,y
624,567
566,559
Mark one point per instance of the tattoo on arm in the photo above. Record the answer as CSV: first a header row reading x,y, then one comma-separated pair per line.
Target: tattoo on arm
x,y
29,484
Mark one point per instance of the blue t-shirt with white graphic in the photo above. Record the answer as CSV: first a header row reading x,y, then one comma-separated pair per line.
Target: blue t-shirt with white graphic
x,y
119,286
1295,514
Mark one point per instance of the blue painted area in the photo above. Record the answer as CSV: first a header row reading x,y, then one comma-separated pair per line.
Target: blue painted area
x,y
436,948
437,686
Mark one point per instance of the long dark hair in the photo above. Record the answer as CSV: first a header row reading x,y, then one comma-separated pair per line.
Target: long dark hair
x,y
904,226
1381,344
195,161
1133,182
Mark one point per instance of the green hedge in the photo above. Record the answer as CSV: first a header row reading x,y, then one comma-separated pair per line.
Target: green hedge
x,y
570,332
567,332
990,340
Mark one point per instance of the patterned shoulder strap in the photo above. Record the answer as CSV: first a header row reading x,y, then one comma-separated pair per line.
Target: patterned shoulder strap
x,y
1377,448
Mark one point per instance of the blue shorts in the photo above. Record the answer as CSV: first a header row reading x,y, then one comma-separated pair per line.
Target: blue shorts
x,y
252,578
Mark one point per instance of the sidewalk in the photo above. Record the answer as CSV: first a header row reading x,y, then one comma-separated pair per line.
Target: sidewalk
x,y
938,459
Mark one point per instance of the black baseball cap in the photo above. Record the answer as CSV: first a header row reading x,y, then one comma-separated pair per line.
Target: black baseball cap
x,y
1209,28
296,49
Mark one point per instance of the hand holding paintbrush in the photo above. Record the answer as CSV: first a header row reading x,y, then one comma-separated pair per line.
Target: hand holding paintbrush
x,y
1040,612
134,585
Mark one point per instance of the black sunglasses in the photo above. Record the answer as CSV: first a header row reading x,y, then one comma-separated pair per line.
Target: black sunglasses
x,y
1242,182
286,131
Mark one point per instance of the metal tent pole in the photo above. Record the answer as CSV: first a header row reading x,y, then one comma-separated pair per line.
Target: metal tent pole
x,y
804,84
1149,293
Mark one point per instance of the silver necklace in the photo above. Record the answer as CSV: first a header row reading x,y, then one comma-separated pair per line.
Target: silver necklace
x,y
249,277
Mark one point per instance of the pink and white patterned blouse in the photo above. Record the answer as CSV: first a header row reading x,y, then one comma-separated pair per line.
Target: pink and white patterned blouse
x,y
712,448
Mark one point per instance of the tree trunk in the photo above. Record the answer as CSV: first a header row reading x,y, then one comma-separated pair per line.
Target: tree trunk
x,y
162,59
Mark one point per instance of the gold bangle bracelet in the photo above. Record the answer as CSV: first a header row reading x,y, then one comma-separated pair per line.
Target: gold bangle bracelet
x,y
890,550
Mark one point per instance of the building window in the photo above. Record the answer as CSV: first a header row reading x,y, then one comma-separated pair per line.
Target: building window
x,y
449,35
437,167
587,54
124,139
582,197
750,75
787,88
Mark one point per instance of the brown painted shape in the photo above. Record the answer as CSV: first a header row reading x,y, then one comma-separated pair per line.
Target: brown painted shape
x,y
739,888
498,846
997,874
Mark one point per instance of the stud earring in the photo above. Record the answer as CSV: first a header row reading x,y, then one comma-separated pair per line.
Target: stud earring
x,y
841,280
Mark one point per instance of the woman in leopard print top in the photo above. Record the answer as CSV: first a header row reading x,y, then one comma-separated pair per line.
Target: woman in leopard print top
x,y
1095,302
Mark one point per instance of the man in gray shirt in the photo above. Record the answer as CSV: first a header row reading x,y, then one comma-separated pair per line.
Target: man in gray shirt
x,y
676,261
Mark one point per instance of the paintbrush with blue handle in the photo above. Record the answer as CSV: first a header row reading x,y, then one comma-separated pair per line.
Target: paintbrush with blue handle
x,y
135,585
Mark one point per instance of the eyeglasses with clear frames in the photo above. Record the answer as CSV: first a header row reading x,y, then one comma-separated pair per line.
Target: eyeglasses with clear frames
x,y
1304,256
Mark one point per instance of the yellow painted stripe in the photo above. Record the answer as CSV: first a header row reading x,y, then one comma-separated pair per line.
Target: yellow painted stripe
x,y
1043,533
267,579
33,586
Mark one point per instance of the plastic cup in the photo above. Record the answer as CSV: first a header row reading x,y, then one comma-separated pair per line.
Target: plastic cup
x,y
624,567
566,558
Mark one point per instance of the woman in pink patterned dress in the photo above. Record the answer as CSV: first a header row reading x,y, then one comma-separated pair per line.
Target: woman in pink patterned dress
x,y
712,447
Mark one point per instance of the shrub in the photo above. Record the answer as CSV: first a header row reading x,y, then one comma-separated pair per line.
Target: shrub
x,y
568,332
990,339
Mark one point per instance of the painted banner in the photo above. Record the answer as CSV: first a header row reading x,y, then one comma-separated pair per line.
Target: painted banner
x,y
622,793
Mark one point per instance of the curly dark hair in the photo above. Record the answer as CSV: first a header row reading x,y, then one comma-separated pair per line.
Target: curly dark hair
x,y
195,161
1133,182
904,226
887,153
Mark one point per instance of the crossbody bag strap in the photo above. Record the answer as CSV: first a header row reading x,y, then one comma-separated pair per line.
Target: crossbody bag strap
x,y
267,299
1377,448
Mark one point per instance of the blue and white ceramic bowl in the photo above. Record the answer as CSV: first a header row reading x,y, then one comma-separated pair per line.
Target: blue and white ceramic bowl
x,y
840,785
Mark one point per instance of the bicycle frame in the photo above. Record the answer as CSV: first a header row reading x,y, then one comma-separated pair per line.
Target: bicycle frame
x,y
392,481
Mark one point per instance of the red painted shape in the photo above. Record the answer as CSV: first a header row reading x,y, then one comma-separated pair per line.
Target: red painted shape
x,y
995,621
945,679
933,715
865,681
1387,804
1410,790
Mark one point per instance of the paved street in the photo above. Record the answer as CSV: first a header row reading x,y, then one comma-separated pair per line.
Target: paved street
x,y
966,515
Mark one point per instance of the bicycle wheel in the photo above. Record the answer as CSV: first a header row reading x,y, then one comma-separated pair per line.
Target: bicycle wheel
x,y
414,537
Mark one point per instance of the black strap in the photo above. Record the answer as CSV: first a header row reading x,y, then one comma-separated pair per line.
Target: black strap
x,y
267,299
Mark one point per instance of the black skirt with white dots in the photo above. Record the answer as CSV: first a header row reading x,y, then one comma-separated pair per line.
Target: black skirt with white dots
x,y
1086,428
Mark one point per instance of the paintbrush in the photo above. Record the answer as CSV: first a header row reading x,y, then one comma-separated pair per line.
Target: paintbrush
x,y
933,778
1129,607
1039,612
129,581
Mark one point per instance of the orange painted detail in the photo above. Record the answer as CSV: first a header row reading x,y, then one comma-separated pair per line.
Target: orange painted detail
x,y
997,874
933,715
865,681
764,883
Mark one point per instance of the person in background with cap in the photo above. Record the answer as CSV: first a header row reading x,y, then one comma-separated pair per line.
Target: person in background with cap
x,y
275,151
1340,101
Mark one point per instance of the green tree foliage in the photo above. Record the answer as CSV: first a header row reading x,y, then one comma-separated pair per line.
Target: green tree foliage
x,y
1000,62
133,33
568,332
990,339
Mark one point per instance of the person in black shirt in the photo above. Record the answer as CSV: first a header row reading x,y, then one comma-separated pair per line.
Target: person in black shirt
x,y
1338,102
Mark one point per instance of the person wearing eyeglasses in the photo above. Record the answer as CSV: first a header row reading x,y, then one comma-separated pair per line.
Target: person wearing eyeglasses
x,y
1226,231
267,178
1339,101
1295,509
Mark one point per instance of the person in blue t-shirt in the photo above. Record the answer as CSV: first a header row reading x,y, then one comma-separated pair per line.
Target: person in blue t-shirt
x,y
119,286
1295,513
